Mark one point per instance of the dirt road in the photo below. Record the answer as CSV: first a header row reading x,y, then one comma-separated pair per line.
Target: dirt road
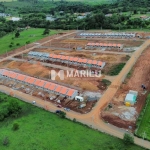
x,y
93,118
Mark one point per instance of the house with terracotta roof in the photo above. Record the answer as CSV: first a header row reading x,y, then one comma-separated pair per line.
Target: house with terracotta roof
x,y
54,57
51,57
64,91
41,84
66,59
63,59
46,86
71,60
58,89
71,94
84,62
30,80
100,65
94,63
21,78
52,87
75,60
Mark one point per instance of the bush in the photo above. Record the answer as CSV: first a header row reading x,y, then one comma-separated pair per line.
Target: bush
x,y
17,44
28,42
10,45
107,82
62,114
15,126
74,120
2,117
128,139
5,141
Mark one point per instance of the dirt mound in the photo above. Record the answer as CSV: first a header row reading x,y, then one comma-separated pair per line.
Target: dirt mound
x,y
118,122
31,69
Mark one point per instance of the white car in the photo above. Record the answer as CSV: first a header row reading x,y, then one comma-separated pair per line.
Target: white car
x,y
67,109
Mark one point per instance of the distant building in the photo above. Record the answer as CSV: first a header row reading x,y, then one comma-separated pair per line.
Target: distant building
x,y
108,15
15,18
50,18
4,15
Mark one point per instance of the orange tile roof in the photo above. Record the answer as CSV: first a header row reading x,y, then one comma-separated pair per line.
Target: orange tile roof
x,y
84,60
6,73
54,56
100,63
52,86
41,83
70,92
64,90
51,55
94,62
37,82
30,80
13,75
67,57
58,88
47,85
80,60
63,57
58,56
75,59
21,77
71,58
89,61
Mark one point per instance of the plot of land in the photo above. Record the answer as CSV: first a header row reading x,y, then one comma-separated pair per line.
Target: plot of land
x,y
30,35
138,76
39,129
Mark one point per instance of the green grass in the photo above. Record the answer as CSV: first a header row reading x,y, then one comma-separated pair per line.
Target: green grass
x,y
107,82
42,130
23,38
144,120
115,70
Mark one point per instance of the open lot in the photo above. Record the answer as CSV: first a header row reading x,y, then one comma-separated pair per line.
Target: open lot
x,y
137,76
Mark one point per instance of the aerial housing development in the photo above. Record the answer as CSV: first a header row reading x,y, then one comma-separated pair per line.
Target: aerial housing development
x,y
74,75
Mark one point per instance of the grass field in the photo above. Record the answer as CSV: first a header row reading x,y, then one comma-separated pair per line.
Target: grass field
x,y
115,70
144,120
31,35
42,130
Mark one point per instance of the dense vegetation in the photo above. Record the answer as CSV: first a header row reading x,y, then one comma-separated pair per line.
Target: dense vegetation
x,y
38,129
33,13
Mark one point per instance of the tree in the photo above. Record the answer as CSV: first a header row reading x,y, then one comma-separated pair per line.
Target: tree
x,y
17,34
15,126
128,139
14,108
46,31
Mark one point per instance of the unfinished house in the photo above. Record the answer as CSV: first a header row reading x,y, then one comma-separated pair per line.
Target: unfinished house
x,y
71,94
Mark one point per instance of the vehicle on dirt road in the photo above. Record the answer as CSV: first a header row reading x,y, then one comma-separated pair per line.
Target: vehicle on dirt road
x,y
67,109
59,106
57,111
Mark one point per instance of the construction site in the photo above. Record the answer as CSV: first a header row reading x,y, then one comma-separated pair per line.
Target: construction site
x,y
29,71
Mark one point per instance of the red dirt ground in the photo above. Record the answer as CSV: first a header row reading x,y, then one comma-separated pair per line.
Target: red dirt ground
x,y
140,74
